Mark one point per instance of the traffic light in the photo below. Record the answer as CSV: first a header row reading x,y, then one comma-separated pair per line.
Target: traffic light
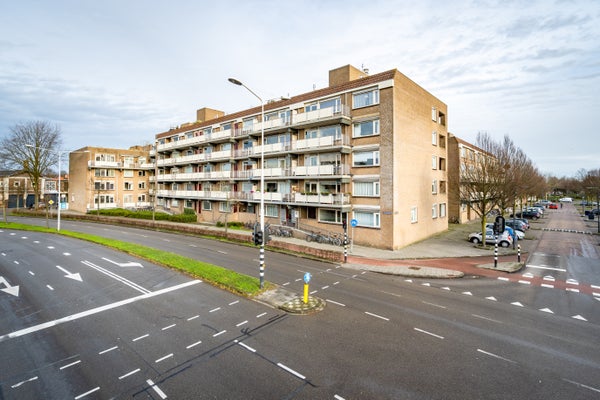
x,y
499,225
258,238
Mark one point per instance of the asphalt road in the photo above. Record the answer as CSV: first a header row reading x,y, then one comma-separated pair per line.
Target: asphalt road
x,y
126,331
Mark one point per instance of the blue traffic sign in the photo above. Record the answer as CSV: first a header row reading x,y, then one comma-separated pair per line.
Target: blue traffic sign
x,y
307,277
353,222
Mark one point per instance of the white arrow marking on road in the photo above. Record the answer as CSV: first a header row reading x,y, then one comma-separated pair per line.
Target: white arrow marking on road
x,y
75,277
123,265
516,303
492,298
467,293
14,290
579,317
546,310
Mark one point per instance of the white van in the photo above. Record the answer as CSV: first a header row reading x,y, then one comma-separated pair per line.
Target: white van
x,y
566,200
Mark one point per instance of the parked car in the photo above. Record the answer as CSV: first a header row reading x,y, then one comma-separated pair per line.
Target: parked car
x,y
595,211
528,214
504,240
539,209
520,234
553,206
517,224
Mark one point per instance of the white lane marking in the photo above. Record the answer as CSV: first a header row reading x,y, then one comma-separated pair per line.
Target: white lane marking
x,y
527,275
82,395
572,282
547,310
544,267
291,371
335,302
50,287
31,273
16,385
140,337
572,290
547,285
486,318
595,287
428,333
501,278
434,305
595,294
245,346
234,302
285,284
96,310
314,291
446,288
156,389
492,298
261,315
426,284
242,323
337,283
194,344
69,365
215,309
135,371
496,356
107,350
524,282
219,333
194,317
549,278
168,327
163,358
467,293
579,317
516,303
377,316
325,287
582,385
338,397
117,277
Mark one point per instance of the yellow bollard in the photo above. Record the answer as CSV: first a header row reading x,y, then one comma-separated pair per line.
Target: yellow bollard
x,y
305,293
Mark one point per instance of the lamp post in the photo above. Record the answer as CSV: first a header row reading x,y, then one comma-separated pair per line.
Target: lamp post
x,y
262,181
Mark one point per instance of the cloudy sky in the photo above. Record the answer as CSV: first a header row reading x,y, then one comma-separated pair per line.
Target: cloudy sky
x,y
116,72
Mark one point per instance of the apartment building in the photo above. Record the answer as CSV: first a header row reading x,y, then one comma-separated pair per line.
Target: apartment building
x,y
16,189
367,149
462,157
103,178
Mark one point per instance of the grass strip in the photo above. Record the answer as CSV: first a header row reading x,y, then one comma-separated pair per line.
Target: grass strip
x,y
218,276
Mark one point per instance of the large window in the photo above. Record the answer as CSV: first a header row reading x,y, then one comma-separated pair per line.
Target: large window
x,y
206,205
366,98
330,216
366,189
365,158
366,128
414,215
368,219
271,210
442,210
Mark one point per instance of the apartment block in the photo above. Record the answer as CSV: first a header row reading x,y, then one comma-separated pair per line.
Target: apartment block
x,y
103,178
368,149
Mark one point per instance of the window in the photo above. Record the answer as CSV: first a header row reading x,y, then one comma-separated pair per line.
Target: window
x,y
128,198
224,206
271,210
443,187
434,138
413,215
101,185
141,185
433,162
442,210
366,98
330,216
366,128
206,205
141,198
367,219
433,114
365,158
434,210
141,173
128,186
434,186
366,189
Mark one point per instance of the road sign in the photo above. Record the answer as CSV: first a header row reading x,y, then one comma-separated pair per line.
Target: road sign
x,y
307,277
353,222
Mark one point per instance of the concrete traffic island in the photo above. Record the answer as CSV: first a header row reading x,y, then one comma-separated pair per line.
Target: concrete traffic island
x,y
509,267
290,302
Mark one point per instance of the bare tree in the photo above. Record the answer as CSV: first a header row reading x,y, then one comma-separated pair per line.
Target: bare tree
x,y
481,180
33,147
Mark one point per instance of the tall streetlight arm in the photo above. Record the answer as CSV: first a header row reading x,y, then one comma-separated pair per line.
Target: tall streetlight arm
x,y
262,179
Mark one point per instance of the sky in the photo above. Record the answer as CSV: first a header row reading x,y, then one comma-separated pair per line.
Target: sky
x,y
115,73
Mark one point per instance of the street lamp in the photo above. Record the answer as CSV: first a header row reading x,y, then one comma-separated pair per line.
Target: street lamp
x,y
262,180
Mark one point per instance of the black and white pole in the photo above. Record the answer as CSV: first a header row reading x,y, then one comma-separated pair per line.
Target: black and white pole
x,y
345,240
261,264
496,252
519,253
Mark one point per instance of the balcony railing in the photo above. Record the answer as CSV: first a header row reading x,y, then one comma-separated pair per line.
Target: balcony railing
x,y
271,197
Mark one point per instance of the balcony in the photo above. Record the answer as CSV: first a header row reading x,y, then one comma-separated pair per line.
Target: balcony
x,y
331,199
